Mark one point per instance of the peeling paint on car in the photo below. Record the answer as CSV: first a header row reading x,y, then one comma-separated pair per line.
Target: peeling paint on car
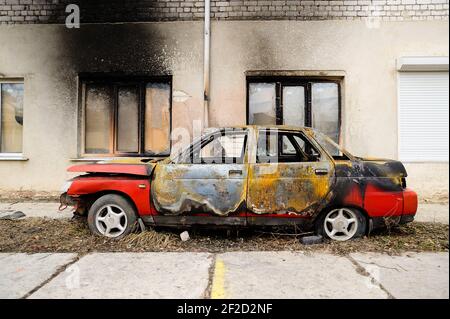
x,y
179,189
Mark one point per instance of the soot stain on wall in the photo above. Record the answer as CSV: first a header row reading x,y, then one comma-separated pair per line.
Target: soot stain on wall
x,y
105,49
111,48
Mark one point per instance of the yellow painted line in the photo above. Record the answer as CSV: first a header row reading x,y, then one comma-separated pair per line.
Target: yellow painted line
x,y
218,284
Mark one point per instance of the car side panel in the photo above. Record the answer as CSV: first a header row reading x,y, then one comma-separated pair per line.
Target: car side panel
x,y
288,188
381,203
379,196
214,189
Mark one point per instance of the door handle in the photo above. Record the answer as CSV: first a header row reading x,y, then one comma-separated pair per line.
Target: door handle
x,y
234,172
321,171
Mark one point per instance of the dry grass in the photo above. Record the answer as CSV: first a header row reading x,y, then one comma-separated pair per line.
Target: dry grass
x,y
49,235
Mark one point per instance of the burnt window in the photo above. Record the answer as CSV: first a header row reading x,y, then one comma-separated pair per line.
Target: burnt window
x,y
11,117
284,147
126,117
295,101
333,149
222,147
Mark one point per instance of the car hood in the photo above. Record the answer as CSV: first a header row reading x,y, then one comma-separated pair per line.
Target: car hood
x,y
128,166
106,168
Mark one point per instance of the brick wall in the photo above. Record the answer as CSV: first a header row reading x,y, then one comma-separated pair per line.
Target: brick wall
x,y
53,11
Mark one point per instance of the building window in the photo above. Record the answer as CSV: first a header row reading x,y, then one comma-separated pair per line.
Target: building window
x,y
11,116
423,116
129,118
295,101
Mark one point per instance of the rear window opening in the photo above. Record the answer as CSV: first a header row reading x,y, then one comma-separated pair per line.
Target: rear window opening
x,y
333,149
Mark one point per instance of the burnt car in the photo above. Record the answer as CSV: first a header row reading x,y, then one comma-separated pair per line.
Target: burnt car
x,y
246,176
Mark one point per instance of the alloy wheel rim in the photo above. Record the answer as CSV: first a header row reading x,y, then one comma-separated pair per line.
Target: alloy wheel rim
x,y
341,224
111,221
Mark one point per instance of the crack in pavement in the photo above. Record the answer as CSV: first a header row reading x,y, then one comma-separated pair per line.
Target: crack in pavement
x,y
211,269
363,272
54,275
385,267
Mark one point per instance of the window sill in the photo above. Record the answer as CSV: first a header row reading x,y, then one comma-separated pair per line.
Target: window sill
x,y
19,158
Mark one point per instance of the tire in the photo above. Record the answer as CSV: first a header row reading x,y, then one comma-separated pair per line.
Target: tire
x,y
112,216
342,224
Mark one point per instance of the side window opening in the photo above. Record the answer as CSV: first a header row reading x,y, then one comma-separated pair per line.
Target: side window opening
x,y
284,147
310,151
220,148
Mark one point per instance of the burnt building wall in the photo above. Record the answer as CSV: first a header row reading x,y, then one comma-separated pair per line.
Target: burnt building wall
x,y
50,58
357,41
53,11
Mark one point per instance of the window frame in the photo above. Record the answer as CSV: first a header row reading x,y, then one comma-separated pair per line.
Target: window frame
x,y
188,156
11,81
286,81
291,137
117,82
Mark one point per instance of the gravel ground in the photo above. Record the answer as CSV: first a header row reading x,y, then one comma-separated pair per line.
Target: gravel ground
x,y
34,235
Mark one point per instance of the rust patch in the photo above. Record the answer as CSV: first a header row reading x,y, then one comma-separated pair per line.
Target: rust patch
x,y
286,188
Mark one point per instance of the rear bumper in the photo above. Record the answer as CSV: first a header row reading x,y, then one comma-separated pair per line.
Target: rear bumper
x,y
380,222
410,202
406,219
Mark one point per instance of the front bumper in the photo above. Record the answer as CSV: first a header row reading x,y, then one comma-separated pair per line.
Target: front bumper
x,y
66,200
78,205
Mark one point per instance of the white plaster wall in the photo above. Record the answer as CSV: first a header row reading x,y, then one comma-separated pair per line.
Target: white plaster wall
x,y
50,57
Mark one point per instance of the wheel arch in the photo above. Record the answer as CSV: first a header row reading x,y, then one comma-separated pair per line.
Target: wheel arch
x,y
91,198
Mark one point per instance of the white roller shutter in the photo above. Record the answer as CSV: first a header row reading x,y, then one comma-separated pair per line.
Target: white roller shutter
x,y
423,116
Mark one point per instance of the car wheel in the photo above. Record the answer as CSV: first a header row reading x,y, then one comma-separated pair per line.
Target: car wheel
x,y
342,224
111,216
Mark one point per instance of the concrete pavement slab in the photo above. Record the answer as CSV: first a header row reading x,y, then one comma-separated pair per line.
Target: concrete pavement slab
x,y
20,273
5,255
412,275
132,275
289,275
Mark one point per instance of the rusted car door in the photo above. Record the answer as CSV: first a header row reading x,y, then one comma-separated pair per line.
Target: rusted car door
x,y
289,178
207,184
